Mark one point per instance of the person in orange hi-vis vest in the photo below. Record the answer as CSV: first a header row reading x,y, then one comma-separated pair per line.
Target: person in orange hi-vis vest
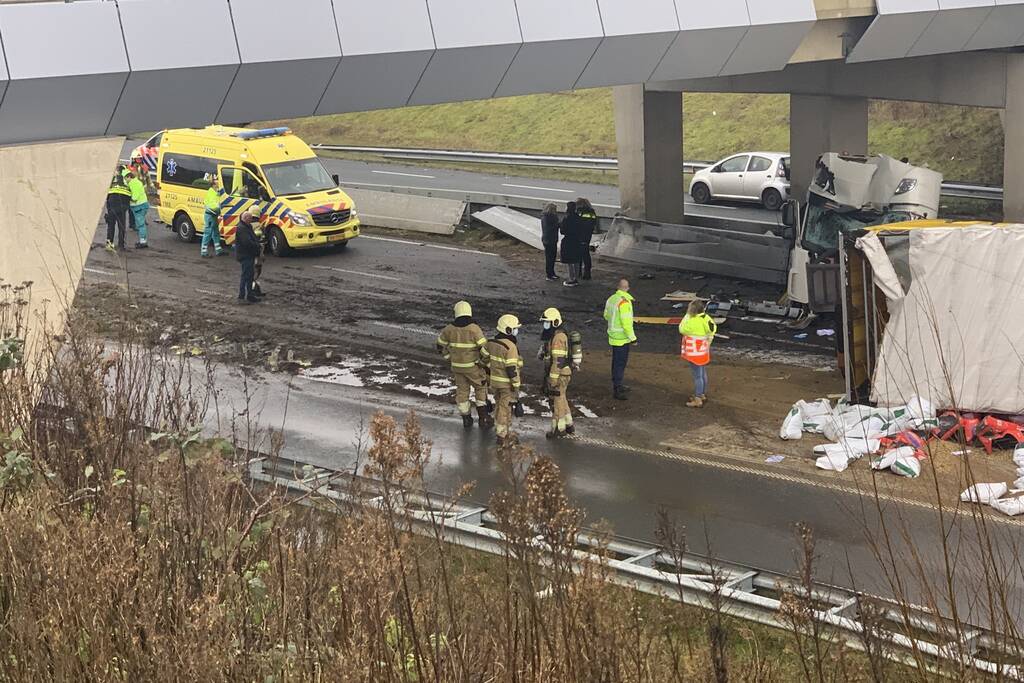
x,y
698,330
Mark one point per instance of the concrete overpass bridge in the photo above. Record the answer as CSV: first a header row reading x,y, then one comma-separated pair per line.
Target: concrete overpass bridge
x,y
87,70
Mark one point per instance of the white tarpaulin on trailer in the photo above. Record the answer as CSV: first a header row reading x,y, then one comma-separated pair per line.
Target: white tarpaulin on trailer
x,y
957,337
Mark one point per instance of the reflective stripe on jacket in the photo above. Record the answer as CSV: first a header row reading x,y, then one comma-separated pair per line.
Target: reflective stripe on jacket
x,y
504,364
556,356
618,311
117,186
462,345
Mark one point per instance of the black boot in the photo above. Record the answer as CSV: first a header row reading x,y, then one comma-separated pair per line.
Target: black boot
x,y
570,429
619,394
484,417
467,421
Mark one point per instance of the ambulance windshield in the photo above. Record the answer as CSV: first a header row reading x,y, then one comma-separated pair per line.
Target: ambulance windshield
x,y
298,177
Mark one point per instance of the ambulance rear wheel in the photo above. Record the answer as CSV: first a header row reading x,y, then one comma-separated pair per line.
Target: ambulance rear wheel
x,y
278,243
183,228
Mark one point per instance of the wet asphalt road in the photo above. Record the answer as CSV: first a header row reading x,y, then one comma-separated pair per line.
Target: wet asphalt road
x,y
737,516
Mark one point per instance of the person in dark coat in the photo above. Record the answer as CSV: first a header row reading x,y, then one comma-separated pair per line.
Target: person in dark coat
x,y
247,248
549,238
570,248
588,225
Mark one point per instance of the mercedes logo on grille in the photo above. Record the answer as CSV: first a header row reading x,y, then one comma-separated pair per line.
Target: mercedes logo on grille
x,y
336,217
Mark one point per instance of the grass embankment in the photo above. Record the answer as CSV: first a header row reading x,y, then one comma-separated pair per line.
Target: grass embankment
x,y
963,143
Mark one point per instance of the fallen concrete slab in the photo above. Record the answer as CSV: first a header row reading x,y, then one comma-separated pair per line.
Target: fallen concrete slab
x,y
408,212
521,226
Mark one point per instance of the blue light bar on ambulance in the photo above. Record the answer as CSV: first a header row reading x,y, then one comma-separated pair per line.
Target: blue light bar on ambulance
x,y
262,133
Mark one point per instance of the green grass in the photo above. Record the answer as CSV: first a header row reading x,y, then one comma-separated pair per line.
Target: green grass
x,y
963,143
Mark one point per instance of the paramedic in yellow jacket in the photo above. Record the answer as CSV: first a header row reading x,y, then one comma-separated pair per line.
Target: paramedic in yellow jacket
x,y
558,369
698,330
505,373
462,344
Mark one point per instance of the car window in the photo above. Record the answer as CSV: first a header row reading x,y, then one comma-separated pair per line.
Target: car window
x,y
155,140
759,163
187,170
734,165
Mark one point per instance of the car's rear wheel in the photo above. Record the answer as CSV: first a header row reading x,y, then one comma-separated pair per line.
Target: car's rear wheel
x,y
278,244
700,193
771,199
184,228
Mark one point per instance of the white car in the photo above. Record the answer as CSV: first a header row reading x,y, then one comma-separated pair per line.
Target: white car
x,y
750,176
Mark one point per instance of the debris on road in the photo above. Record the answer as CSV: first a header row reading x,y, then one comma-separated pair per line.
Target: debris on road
x,y
772,459
515,224
408,212
998,496
679,295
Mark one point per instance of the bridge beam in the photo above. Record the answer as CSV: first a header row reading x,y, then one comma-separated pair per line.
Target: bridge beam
x,y
1013,140
649,133
819,124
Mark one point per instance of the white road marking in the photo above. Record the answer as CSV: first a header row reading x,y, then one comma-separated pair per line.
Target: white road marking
x,y
98,271
426,244
409,175
360,273
542,189
415,330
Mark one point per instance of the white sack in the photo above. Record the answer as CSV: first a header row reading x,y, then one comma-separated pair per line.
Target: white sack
x,y
983,493
833,461
871,428
792,426
1018,456
881,266
1009,506
906,464
954,339
1018,484
885,460
843,418
815,415
850,447
922,413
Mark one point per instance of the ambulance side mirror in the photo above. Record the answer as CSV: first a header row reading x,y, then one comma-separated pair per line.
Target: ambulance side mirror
x,y
334,177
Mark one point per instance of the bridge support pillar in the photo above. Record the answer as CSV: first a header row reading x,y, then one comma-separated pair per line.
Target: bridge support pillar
x,y
649,133
1013,140
823,123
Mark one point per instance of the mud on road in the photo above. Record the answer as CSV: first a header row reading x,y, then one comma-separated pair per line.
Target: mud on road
x,y
368,315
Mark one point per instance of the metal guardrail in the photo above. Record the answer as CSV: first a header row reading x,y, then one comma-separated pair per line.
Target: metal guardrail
x,y
745,592
952,188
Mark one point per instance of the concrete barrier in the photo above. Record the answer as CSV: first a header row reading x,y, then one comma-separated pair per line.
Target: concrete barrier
x,y
408,212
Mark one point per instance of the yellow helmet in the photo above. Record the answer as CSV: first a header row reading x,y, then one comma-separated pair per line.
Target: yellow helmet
x,y
463,308
507,323
553,316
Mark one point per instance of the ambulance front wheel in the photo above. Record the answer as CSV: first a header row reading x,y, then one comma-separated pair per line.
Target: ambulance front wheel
x,y
184,228
278,243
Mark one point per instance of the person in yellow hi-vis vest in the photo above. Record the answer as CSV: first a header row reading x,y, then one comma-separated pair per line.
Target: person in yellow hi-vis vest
x,y
502,357
618,311
212,205
461,343
698,331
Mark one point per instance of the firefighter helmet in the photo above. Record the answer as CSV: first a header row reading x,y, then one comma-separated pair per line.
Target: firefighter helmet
x,y
507,323
552,315
462,308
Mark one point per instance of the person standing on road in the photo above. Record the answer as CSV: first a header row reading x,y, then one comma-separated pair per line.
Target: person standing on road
x,y
588,226
549,238
558,369
125,171
502,357
698,330
570,229
211,231
139,209
618,311
117,207
462,344
247,248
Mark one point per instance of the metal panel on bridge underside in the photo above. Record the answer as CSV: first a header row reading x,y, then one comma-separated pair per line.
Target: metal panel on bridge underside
x,y
709,35
776,30
637,35
1003,27
177,87
81,65
288,74
385,46
910,28
476,43
559,39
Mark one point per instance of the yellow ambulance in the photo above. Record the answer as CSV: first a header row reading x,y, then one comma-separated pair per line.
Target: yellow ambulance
x,y
270,172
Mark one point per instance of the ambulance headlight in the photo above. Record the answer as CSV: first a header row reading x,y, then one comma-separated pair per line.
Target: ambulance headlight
x,y
299,219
